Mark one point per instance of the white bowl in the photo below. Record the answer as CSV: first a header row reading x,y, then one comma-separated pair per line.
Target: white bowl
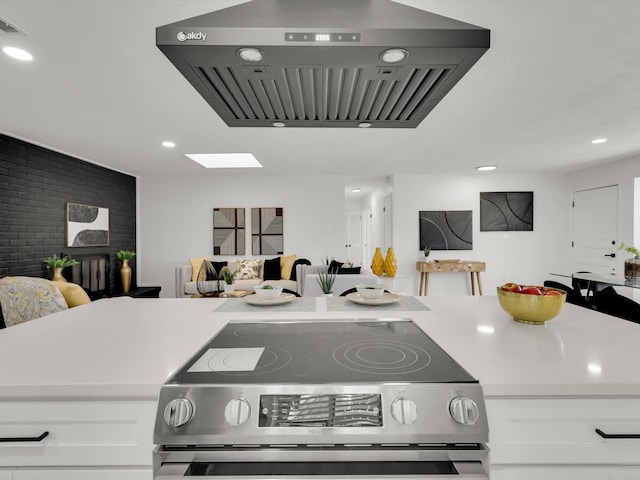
x,y
270,293
370,291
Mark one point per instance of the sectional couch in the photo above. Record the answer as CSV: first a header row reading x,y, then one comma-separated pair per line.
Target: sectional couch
x,y
302,279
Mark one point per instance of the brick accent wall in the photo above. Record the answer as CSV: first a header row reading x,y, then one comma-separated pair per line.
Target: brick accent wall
x,y
35,185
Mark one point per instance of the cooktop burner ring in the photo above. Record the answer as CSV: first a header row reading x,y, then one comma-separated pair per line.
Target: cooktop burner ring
x,y
355,356
254,330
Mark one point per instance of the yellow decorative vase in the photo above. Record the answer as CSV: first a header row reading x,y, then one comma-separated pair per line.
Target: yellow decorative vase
x,y
377,264
125,276
390,264
57,275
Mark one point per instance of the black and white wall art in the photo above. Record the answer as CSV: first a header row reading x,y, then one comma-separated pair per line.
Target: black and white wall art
x,y
267,234
506,211
228,231
87,226
446,230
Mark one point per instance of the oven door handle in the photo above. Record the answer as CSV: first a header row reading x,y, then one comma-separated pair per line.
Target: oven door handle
x,y
466,471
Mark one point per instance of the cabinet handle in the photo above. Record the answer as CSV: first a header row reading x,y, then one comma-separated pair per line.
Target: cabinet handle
x,y
617,435
25,439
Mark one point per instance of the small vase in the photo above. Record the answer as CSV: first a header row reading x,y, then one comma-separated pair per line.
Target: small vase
x,y
632,269
125,276
327,294
57,275
229,288
390,263
377,264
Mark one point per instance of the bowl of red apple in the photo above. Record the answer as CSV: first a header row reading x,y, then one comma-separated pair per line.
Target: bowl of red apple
x,y
531,303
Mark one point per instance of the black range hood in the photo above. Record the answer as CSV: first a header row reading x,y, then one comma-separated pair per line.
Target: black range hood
x,y
322,63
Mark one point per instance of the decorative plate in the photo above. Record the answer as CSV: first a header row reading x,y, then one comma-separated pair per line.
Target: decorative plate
x,y
253,299
385,299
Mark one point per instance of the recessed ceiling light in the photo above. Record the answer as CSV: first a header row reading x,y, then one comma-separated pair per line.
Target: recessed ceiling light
x,y
486,168
598,140
250,54
168,144
225,160
394,55
364,124
278,124
18,53
356,190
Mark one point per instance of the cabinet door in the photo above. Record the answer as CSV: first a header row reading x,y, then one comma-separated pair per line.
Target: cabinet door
x,y
5,475
94,432
83,474
562,431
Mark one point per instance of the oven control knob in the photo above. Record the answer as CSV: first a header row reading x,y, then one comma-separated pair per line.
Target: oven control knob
x,y
464,410
178,412
404,411
237,411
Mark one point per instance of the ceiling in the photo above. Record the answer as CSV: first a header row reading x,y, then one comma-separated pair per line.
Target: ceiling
x,y
559,73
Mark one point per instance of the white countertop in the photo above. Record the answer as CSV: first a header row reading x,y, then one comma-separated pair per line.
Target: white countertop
x,y
124,347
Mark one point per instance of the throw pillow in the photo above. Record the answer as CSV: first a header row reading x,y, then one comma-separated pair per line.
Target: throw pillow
x,y
196,265
334,266
73,293
286,264
272,269
247,269
216,274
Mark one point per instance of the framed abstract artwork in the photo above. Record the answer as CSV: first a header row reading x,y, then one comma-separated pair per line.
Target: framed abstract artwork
x,y
267,235
228,231
506,211
446,230
86,225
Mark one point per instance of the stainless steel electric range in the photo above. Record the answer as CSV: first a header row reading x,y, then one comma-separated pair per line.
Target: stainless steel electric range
x,y
321,399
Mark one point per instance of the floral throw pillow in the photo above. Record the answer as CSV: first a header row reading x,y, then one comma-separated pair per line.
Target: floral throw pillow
x,y
247,269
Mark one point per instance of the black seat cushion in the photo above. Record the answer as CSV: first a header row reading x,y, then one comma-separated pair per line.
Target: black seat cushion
x,y
611,302
573,296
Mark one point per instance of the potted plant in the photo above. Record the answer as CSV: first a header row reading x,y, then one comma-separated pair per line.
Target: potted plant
x,y
56,264
631,265
326,278
125,270
229,277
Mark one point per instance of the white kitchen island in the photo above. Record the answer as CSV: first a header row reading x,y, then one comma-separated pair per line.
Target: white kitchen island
x,y
90,377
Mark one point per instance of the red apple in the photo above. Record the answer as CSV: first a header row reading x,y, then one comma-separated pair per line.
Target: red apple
x,y
531,291
511,287
553,293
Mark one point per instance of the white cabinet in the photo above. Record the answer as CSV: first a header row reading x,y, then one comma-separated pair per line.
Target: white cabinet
x,y
556,438
82,433
82,474
5,475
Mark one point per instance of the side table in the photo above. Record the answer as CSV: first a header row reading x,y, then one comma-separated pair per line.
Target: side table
x,y
471,266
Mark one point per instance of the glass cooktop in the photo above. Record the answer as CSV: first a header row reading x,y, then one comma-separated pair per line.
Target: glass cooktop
x,y
320,352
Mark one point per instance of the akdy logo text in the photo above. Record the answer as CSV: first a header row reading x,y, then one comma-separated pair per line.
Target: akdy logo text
x,y
191,36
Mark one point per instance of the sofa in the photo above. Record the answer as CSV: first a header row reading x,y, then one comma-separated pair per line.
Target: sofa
x,y
346,279
277,271
302,278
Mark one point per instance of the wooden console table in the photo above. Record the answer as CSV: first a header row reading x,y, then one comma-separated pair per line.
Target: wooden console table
x,y
425,268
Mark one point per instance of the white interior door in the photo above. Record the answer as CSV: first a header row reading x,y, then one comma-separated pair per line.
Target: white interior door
x,y
595,230
354,238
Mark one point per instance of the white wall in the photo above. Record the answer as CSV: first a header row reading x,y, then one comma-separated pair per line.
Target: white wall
x,y
176,218
522,257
